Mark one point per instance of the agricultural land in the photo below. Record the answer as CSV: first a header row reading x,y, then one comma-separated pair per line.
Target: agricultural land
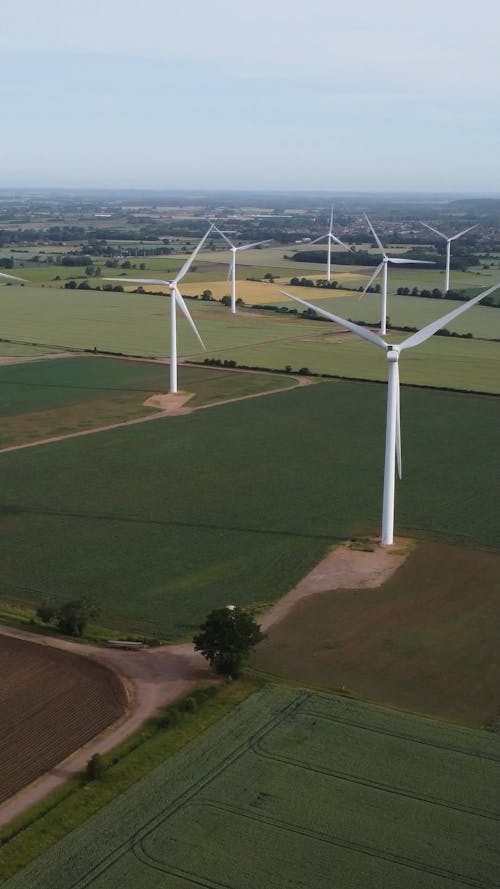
x,y
162,507
138,325
51,703
50,398
425,640
237,502
302,784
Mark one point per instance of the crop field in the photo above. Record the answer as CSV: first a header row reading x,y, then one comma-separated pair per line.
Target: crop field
x,y
47,398
127,322
167,520
442,361
51,703
412,311
427,640
212,266
139,325
299,789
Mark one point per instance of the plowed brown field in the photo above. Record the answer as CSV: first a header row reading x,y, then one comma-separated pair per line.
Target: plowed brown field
x,y
51,702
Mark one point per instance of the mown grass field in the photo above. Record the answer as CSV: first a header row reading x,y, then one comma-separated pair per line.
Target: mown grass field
x,y
164,521
40,399
299,789
426,640
139,325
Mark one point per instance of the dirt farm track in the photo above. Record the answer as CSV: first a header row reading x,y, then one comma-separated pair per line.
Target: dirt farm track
x,y
57,695
42,687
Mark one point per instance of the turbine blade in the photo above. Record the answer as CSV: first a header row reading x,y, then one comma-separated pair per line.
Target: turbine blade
x,y
255,244
398,424
338,241
222,235
374,233
454,238
363,332
187,264
422,335
396,260
139,280
331,222
435,230
317,239
229,270
370,282
12,277
185,311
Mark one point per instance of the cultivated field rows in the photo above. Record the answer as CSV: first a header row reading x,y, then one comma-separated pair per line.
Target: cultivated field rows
x,y
43,688
300,782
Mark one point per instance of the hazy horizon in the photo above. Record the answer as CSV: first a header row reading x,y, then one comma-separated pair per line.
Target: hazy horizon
x,y
396,98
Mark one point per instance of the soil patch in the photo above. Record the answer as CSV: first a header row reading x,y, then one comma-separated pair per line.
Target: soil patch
x,y
51,702
170,403
426,640
345,568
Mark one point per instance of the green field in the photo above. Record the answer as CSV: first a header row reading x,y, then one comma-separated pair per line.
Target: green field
x,y
299,789
442,362
139,325
411,311
126,322
164,521
426,640
46,398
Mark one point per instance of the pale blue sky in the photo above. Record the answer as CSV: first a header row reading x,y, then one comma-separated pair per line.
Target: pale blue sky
x,y
375,96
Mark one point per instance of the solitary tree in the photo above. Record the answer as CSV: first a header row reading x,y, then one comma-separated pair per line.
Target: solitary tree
x,y
72,617
226,639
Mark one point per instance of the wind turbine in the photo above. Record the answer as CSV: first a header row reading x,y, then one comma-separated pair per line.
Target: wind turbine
x,y
176,300
448,249
393,422
232,264
382,267
331,237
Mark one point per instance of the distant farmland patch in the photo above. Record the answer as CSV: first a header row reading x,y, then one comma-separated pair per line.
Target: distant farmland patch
x,y
298,789
426,640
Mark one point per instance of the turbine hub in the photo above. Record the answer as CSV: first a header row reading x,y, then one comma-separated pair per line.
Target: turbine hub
x,y
392,353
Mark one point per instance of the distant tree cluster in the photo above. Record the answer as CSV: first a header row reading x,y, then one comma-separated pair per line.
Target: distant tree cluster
x,y
70,617
330,285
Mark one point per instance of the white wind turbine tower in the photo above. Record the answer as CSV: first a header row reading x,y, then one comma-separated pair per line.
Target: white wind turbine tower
x,y
232,265
382,267
448,249
176,300
331,238
393,422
